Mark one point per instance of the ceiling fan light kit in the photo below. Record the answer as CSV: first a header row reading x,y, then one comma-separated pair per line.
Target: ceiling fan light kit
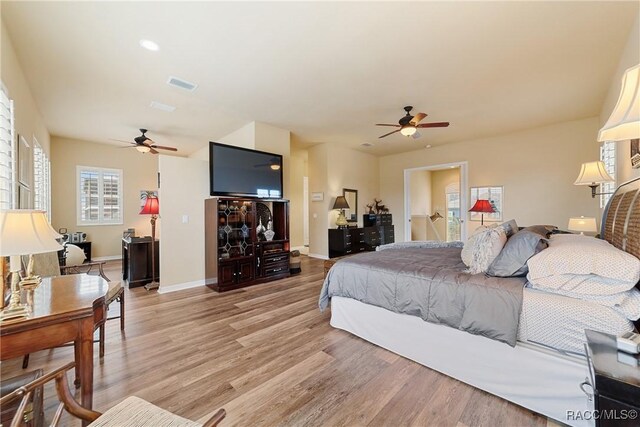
x,y
408,125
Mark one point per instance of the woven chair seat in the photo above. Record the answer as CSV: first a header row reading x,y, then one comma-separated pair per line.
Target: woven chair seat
x,y
136,412
114,290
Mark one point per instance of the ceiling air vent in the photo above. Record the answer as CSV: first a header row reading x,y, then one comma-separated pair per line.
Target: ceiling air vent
x,y
367,144
164,107
182,84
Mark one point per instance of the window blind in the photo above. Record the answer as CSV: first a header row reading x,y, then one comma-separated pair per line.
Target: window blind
x,y
7,150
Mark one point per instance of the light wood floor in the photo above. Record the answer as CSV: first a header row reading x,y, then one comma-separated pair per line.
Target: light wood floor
x,y
269,357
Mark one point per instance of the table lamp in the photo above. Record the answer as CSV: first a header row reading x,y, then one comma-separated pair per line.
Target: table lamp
x,y
624,121
482,206
341,204
583,224
152,207
24,232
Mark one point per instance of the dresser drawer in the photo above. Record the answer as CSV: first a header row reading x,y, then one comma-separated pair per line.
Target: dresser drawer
x,y
275,258
275,269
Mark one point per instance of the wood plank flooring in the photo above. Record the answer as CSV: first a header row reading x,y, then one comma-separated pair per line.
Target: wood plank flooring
x,y
269,357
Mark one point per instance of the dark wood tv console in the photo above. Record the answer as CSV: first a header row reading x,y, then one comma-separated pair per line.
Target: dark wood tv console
x,y
239,251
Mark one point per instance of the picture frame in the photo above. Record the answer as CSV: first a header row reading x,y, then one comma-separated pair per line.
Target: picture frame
x,y
635,153
317,197
495,194
25,161
144,194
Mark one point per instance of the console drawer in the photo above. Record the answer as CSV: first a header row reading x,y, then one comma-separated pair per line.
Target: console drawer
x,y
275,269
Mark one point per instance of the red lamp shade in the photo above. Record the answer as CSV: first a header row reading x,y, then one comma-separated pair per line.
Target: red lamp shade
x,y
483,206
151,207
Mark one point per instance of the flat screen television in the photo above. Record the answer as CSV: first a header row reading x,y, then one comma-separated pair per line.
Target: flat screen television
x,y
236,171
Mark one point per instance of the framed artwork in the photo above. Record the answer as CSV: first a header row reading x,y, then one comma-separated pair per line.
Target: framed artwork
x,y
24,197
317,197
25,161
635,153
495,195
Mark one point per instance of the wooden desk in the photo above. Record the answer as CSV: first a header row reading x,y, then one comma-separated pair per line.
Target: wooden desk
x,y
65,309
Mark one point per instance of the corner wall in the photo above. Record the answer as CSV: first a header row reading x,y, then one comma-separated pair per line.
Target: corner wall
x,y
537,168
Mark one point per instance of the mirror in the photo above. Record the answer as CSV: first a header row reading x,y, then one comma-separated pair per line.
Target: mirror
x,y
352,200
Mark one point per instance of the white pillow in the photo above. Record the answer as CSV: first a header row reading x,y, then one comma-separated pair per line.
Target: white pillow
x,y
75,255
583,265
482,248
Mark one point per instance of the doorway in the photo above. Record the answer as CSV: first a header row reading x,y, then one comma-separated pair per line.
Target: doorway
x,y
435,202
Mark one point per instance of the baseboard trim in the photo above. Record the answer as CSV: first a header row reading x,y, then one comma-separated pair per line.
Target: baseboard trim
x,y
106,258
318,256
165,289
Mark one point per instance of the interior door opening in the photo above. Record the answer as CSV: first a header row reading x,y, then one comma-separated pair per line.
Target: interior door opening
x,y
435,203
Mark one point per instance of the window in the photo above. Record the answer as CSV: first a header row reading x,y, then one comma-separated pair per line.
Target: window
x,y
7,152
608,156
99,195
41,179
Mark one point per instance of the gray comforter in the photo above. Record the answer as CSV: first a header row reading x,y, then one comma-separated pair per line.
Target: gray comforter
x,y
430,284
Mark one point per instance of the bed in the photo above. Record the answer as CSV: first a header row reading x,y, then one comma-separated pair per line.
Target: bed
x,y
544,368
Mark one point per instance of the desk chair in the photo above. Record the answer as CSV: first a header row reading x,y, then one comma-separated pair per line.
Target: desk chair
x,y
47,265
129,411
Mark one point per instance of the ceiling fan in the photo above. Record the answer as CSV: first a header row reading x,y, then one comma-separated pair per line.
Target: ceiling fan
x,y
409,125
144,144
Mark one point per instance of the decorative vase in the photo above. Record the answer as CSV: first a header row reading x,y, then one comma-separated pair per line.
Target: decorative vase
x,y
269,235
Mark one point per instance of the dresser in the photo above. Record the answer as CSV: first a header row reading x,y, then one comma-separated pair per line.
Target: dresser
x,y
378,230
136,260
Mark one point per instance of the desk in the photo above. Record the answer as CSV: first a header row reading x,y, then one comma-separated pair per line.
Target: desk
x,y
65,309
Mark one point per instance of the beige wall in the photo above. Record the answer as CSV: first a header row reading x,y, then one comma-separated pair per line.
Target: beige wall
x,y
440,179
184,185
630,57
139,170
298,167
420,188
332,168
537,168
28,120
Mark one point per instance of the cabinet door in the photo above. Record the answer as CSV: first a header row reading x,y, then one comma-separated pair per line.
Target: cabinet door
x,y
226,273
245,271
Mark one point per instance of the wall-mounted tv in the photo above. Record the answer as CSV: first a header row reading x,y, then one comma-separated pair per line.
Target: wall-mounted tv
x,y
236,171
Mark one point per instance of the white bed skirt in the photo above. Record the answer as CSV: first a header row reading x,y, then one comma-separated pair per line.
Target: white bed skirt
x,y
539,379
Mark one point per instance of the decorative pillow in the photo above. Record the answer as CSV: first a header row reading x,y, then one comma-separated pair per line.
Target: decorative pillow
x,y
75,255
483,247
512,260
510,227
573,254
544,230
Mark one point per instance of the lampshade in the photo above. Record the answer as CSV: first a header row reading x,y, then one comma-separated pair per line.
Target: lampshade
x,y
25,232
584,224
408,130
483,206
341,203
151,206
624,122
593,173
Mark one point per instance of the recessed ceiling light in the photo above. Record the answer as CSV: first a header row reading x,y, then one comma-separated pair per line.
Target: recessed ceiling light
x,y
427,146
149,45
164,107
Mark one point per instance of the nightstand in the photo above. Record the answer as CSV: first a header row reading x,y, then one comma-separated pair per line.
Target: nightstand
x,y
616,384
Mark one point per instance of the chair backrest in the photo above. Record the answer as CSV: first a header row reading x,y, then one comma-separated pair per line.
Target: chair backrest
x,y
45,265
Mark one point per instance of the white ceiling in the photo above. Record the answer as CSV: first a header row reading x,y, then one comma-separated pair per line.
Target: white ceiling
x,y
325,71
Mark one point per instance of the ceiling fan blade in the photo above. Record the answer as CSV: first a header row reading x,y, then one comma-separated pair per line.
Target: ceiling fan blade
x,y
121,140
161,147
386,124
418,118
152,151
130,146
390,133
416,135
434,125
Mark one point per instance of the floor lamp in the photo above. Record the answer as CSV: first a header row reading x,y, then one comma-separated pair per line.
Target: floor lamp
x,y
152,207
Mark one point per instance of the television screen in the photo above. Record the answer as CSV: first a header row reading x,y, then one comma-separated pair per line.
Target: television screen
x,y
236,171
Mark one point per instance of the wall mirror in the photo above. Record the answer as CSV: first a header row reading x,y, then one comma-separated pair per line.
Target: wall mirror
x,y
352,199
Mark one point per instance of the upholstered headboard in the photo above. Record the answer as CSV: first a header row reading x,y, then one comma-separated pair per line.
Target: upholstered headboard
x,y
621,220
